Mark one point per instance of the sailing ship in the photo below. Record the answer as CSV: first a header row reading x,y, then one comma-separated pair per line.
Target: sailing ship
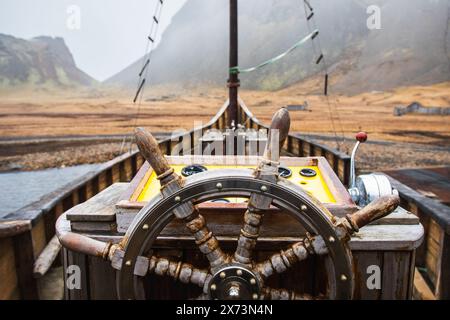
x,y
290,221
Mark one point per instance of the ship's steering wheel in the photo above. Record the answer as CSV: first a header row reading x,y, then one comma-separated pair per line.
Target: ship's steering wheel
x,y
237,276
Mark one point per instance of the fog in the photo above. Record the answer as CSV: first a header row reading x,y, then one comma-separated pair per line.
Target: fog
x,y
112,33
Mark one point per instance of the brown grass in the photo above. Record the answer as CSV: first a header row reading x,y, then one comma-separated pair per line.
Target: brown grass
x,y
30,114
110,112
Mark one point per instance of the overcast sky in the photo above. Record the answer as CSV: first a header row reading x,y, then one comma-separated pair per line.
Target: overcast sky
x,y
111,35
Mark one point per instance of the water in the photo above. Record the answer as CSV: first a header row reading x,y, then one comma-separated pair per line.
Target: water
x,y
18,189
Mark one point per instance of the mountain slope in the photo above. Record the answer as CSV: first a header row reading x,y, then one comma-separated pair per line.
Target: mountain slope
x,y
412,47
41,61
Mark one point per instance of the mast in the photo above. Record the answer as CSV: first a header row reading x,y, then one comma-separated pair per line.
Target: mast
x,y
233,80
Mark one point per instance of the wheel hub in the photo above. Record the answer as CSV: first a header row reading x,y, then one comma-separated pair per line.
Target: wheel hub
x,y
234,282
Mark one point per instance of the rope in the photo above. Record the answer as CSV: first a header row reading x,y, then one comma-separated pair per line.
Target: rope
x,y
237,69
146,59
318,52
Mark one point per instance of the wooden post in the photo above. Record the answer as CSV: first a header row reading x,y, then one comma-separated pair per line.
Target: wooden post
x,y
23,250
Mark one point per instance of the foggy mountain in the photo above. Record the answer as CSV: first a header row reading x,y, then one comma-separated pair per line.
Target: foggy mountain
x,y
39,62
413,46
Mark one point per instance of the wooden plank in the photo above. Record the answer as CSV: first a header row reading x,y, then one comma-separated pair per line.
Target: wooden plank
x,y
421,251
396,275
362,261
99,207
93,226
100,285
50,221
46,258
24,257
39,237
443,283
437,211
79,260
65,262
102,181
434,248
421,289
14,227
384,237
8,277
115,173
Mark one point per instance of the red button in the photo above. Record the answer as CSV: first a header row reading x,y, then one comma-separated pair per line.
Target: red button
x,y
361,137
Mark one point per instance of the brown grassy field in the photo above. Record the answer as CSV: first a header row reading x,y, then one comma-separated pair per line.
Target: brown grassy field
x,y
31,114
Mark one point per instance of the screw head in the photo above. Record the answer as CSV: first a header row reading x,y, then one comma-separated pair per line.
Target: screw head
x,y
219,186
331,239
222,275
177,199
239,272
145,227
343,277
255,296
128,263
213,287
252,281
263,188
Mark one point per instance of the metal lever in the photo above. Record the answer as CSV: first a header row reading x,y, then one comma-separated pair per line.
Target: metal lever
x,y
361,137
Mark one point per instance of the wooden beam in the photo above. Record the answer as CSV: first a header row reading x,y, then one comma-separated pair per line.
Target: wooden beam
x,y
24,255
46,258
421,289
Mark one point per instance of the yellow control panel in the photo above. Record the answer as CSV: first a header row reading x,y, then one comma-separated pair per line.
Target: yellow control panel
x,y
308,177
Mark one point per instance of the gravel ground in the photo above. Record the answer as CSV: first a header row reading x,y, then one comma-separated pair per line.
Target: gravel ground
x,y
372,156
383,155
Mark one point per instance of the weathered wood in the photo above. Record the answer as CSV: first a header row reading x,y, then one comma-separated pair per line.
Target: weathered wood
x,y
434,236
99,208
443,282
100,274
12,228
24,257
8,278
148,147
80,260
375,210
396,275
46,258
421,289
362,261
39,237
93,226
279,129
437,211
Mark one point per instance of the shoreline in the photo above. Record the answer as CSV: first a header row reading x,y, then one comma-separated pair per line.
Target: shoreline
x,y
21,154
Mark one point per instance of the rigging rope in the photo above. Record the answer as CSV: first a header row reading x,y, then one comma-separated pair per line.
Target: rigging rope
x,y
145,66
309,14
298,44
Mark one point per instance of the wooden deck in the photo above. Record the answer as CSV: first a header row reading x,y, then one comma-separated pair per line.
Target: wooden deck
x,y
426,193
431,182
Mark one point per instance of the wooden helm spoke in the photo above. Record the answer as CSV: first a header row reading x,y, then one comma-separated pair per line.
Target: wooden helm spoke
x,y
249,233
282,261
205,239
267,171
284,294
179,271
